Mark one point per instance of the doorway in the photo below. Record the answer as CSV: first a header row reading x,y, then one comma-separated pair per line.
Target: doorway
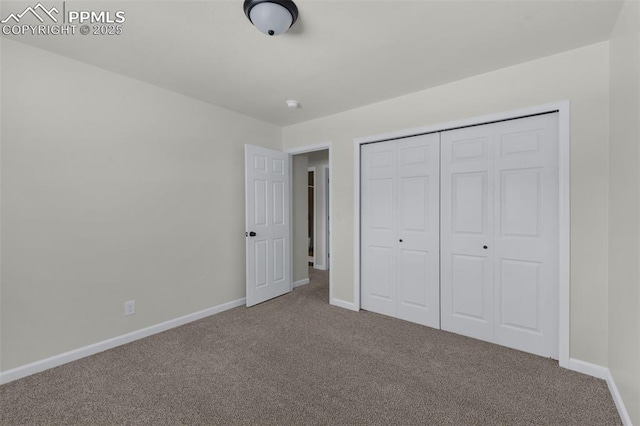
x,y
310,215
277,220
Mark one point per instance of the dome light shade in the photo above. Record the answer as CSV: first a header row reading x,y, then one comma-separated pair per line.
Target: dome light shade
x,y
272,17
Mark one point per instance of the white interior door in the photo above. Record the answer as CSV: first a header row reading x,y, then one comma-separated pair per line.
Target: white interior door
x,y
400,229
500,233
268,243
418,225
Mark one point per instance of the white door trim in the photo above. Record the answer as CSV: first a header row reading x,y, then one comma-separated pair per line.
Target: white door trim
x,y
564,111
304,150
326,214
315,199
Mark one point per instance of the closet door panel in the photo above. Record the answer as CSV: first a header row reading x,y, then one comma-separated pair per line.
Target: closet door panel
x,y
378,227
467,231
418,227
526,235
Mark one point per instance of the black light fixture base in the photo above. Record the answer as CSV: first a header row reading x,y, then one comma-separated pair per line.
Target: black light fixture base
x,y
287,4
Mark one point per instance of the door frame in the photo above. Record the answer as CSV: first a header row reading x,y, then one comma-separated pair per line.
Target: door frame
x,y
320,198
329,244
564,156
315,200
326,214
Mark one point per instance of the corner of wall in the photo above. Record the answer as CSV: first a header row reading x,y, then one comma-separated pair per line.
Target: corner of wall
x,y
624,204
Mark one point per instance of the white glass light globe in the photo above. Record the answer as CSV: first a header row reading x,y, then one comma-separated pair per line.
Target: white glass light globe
x,y
271,18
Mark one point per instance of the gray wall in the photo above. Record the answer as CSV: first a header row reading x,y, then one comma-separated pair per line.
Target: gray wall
x,y
624,208
113,189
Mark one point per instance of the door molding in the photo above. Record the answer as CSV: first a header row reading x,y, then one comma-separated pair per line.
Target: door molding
x,y
305,150
320,194
315,219
326,214
564,150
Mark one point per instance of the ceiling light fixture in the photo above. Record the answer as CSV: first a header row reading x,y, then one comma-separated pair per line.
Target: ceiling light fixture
x,y
272,17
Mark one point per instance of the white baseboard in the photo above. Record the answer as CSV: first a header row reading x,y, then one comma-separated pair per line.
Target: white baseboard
x,y
319,267
587,368
66,357
617,398
343,304
605,374
301,282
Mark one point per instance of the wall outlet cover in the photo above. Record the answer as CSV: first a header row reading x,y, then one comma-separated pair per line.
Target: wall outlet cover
x,y
130,307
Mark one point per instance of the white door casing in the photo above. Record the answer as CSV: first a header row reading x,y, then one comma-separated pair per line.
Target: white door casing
x,y
500,191
400,229
268,242
327,217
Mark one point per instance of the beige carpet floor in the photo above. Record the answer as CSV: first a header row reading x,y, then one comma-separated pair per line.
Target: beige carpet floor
x,y
298,360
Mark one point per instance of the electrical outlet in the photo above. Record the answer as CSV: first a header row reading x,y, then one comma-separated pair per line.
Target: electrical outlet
x,y
130,307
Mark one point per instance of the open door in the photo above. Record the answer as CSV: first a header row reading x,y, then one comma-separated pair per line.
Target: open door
x,y
268,241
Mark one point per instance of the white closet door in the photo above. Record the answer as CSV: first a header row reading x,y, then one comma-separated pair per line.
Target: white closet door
x,y
467,180
418,225
526,235
400,228
500,191
378,234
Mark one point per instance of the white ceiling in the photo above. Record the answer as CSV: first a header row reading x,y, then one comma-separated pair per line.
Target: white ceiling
x,y
338,56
